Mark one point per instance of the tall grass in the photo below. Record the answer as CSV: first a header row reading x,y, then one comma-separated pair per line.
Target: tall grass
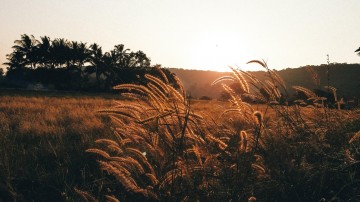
x,y
43,138
164,150
159,146
42,146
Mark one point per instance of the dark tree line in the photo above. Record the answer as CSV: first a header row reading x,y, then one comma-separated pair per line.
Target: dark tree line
x,y
72,65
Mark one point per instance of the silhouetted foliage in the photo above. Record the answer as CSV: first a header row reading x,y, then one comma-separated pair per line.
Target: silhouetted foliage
x,y
358,51
70,65
2,77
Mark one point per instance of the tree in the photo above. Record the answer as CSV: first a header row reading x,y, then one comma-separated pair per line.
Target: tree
x,y
82,53
79,54
139,59
109,60
96,60
71,63
43,52
16,61
122,56
24,51
60,52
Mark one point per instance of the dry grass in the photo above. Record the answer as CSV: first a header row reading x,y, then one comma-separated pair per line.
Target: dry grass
x,y
181,150
161,146
43,139
50,115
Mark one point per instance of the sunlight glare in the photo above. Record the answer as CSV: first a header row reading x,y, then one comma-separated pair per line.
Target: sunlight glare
x,y
217,50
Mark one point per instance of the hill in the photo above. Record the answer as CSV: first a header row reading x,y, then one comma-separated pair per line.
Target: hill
x,y
198,82
344,77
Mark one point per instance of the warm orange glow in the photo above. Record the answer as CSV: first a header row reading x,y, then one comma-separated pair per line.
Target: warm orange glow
x,y
219,49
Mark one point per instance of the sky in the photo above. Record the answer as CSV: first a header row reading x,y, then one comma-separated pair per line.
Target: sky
x,y
196,34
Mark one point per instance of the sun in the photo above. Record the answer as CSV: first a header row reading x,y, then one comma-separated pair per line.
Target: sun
x,y
217,50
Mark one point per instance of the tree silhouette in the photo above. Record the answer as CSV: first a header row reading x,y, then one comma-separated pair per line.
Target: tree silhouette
x,y
24,52
70,64
78,56
139,59
97,64
60,53
43,52
121,56
110,59
16,60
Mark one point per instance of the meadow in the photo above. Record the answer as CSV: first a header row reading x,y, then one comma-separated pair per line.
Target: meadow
x,y
44,136
153,144
42,142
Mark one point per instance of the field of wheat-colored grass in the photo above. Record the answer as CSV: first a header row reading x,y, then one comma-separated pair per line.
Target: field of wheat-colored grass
x,y
44,137
153,144
42,142
167,147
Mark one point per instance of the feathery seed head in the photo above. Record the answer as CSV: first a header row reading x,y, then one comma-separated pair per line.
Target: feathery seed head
x,y
252,198
258,117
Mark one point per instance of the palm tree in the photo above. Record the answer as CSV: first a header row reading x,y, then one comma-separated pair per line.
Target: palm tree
x,y
96,60
73,50
79,56
26,47
60,52
16,60
43,52
105,64
82,54
122,56
110,64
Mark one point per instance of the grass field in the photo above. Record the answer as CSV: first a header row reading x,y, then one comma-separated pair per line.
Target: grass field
x,y
44,138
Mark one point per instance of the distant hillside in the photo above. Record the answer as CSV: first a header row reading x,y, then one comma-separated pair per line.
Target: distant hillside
x,y
344,77
198,83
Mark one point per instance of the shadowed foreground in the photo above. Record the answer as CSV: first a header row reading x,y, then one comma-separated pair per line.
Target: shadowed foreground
x,y
270,152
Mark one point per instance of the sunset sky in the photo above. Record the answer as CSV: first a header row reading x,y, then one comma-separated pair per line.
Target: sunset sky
x,y
196,34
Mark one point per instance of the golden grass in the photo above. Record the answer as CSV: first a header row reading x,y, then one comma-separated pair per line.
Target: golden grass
x,y
219,150
161,146
43,139
36,116
50,115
